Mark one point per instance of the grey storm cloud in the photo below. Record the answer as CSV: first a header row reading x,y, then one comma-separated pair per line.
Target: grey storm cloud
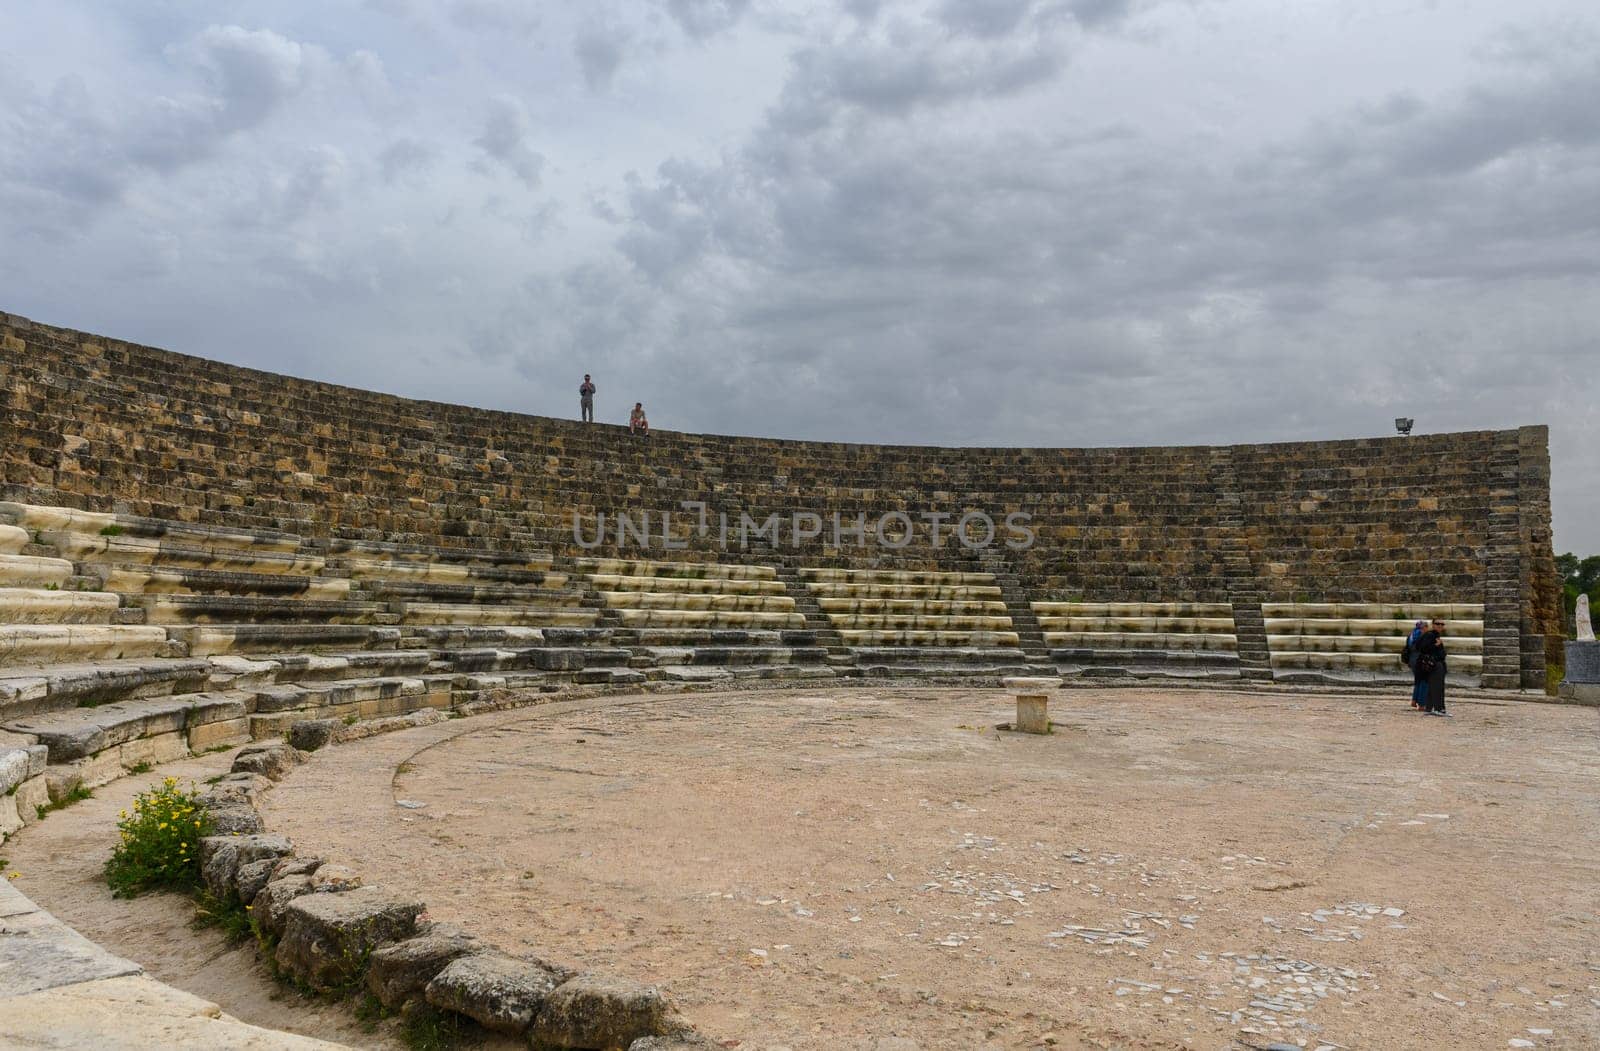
x,y
1051,222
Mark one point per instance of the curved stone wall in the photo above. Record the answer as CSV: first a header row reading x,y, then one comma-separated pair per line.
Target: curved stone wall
x,y
99,424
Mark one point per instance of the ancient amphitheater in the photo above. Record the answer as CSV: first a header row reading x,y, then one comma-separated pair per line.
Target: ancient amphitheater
x,y
739,768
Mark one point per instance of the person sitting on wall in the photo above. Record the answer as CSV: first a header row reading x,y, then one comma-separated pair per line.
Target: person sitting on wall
x,y
637,424
586,399
1430,665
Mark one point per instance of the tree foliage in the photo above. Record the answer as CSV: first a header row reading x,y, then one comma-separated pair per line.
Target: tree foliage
x,y
1579,576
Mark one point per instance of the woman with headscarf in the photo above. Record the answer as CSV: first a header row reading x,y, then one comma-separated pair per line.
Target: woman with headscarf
x,y
1431,666
1419,685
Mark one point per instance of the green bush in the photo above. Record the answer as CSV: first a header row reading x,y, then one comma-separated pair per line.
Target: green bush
x,y
160,844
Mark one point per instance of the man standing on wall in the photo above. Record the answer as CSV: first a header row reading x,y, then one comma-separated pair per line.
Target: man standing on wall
x,y
586,399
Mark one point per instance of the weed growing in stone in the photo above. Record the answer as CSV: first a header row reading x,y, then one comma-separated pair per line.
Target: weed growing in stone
x,y
160,844
429,1029
77,795
229,917
111,530
140,768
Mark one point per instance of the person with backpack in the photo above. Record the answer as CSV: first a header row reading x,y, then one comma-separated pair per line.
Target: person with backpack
x,y
586,399
1408,657
1430,667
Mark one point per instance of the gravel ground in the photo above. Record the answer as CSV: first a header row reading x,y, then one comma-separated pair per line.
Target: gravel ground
x,y
845,869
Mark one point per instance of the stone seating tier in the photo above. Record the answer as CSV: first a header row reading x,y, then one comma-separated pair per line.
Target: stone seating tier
x,y
1143,639
1349,641
1345,519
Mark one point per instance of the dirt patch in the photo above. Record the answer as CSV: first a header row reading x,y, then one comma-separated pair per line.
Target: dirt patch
x,y
835,869
60,861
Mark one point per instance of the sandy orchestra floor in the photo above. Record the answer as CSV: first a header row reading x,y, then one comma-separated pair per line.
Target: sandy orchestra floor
x,y
1171,868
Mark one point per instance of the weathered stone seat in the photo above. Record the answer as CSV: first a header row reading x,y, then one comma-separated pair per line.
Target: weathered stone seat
x,y
1140,639
518,572
87,549
207,640
250,609
1362,642
646,567
463,613
832,575
471,591
43,606
73,520
930,592
926,637
894,606
33,571
650,618
94,745
13,538
26,691
30,644
618,582
274,708
696,601
137,578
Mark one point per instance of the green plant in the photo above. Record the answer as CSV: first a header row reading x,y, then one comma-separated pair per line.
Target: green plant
x,y
141,767
352,719
111,530
369,1012
1553,674
160,844
229,917
52,587
430,1029
77,795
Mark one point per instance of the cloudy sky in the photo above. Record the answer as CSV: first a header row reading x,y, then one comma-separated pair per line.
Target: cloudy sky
x,y
1043,222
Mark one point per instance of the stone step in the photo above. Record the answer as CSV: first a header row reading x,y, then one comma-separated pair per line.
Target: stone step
x,y
82,733
706,673
1391,644
375,555
1386,663
1466,611
469,593
613,582
32,571
914,606
136,578
665,656
216,639
1129,625
1133,609
85,548
279,707
244,609
303,668
926,592
450,613
44,606
687,618
874,637
99,523
635,600
912,622
510,636
13,539
530,658
658,568
52,687
825,575
1364,627
1140,640
609,677
1128,657
451,572
23,645
939,655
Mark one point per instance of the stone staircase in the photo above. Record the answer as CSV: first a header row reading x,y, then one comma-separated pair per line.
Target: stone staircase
x,y
1239,576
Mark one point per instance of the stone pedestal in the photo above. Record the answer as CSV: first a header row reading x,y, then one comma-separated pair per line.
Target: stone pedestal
x,y
1581,684
1033,713
1033,703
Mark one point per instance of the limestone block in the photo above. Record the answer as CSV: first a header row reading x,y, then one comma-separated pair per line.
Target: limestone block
x,y
219,734
29,571
327,938
273,761
402,970
593,1010
30,796
269,909
136,1013
10,817
41,606
13,538
500,992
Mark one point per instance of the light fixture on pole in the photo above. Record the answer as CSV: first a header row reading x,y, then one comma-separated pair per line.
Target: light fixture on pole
x,y
1403,424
